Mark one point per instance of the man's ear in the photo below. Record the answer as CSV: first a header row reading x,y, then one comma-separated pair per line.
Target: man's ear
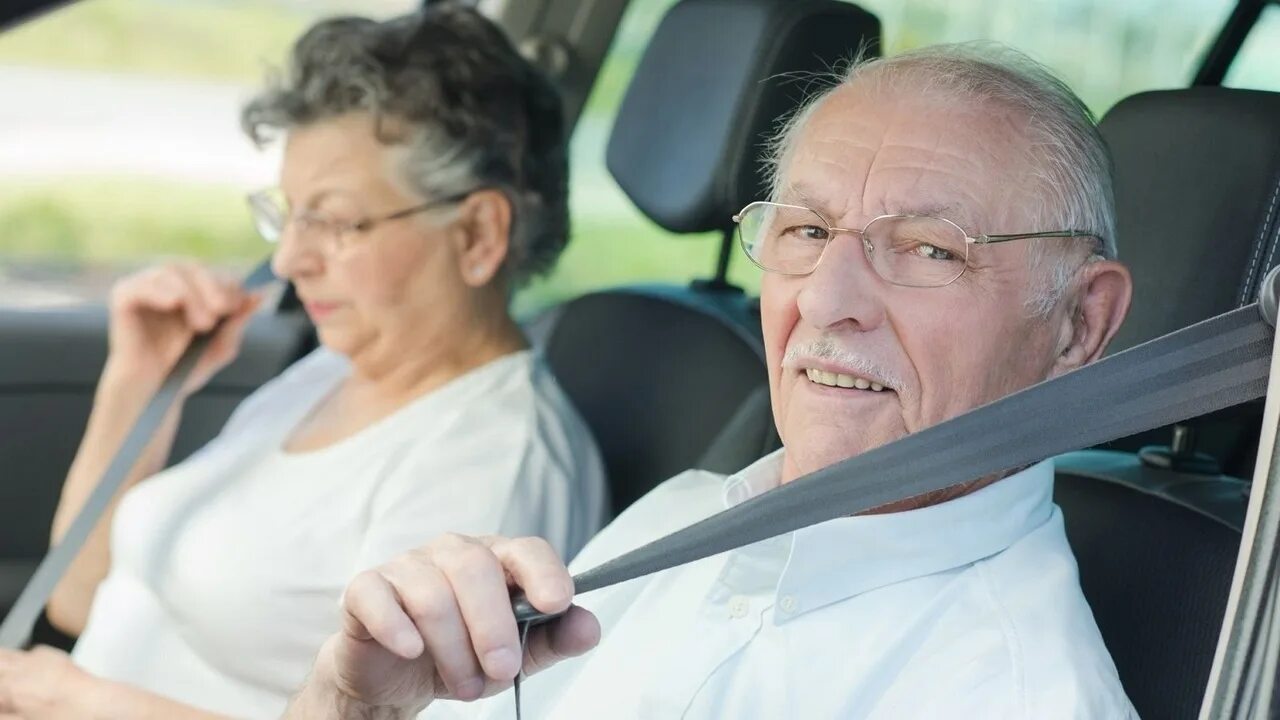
x,y
484,220
1094,312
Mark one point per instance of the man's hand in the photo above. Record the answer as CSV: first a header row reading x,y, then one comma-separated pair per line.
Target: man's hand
x,y
42,684
437,623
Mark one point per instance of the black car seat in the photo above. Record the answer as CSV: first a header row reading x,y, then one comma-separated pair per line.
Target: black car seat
x,y
1156,531
658,371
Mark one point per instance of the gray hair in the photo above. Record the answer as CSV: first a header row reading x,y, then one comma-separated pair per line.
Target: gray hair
x,y
1071,161
446,83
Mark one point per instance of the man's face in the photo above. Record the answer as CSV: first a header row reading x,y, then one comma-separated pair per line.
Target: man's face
x,y
937,352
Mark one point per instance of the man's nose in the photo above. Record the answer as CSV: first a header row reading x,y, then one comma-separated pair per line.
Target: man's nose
x,y
295,257
843,288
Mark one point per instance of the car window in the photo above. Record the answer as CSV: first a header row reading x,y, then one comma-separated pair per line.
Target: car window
x,y
611,242
1105,50
1257,67
126,148
121,140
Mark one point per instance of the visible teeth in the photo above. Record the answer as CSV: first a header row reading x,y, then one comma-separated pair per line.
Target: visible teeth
x,y
822,377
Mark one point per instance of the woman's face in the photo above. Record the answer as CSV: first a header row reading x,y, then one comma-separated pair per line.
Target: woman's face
x,y
398,286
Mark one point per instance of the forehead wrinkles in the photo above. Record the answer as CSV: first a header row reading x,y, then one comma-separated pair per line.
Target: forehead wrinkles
x,y
829,174
909,155
854,181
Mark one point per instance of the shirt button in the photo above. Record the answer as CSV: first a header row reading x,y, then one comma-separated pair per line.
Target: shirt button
x,y
738,607
788,604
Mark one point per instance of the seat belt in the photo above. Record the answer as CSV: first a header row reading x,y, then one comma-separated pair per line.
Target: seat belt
x,y
1209,366
16,629
1215,364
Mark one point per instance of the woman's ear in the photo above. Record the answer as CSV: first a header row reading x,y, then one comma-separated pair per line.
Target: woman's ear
x,y
1103,290
484,218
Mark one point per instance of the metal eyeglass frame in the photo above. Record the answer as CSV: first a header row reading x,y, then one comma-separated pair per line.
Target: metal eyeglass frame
x,y
338,231
983,239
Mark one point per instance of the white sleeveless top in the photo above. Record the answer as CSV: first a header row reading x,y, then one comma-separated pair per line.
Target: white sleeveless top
x,y
228,568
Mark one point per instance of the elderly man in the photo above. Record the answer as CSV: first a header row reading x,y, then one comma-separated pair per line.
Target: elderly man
x,y
942,235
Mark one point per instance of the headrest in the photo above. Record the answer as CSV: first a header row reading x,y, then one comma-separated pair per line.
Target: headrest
x,y
1197,202
687,142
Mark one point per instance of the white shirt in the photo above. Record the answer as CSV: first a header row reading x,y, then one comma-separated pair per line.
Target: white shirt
x,y
228,568
966,609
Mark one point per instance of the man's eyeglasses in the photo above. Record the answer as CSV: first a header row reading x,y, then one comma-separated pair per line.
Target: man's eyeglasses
x,y
909,250
271,216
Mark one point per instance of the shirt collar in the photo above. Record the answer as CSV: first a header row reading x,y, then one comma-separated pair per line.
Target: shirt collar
x,y
879,550
758,477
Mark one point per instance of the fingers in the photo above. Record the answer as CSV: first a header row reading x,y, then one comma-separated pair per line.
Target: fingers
x,y
208,297
155,288
429,599
203,297
407,606
372,610
226,342
537,569
568,636
452,599
479,581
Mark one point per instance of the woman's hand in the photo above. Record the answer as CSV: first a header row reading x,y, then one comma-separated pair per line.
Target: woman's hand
x,y
43,684
157,312
437,623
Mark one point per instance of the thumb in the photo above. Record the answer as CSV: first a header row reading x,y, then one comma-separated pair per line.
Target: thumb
x,y
574,633
249,304
226,342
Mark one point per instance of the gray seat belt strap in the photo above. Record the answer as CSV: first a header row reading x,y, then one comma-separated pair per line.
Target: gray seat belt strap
x,y
1214,364
15,631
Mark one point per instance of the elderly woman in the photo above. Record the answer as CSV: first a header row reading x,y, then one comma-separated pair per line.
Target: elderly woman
x,y
424,178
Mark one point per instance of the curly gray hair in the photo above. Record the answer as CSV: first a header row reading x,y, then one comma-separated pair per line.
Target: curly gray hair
x,y
448,84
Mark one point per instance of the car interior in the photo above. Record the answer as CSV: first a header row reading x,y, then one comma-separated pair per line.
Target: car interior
x,y
1154,520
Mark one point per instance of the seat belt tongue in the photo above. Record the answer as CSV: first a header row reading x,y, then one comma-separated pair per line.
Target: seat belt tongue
x,y
526,613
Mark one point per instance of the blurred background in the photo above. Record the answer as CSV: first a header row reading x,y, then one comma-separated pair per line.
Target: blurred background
x,y
120,144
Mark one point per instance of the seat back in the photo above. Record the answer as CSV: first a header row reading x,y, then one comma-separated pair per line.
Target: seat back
x,y
1157,575
654,377
713,82
657,371
1198,209
1198,215
1197,202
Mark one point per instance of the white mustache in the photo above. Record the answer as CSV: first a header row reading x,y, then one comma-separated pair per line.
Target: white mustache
x,y
824,348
